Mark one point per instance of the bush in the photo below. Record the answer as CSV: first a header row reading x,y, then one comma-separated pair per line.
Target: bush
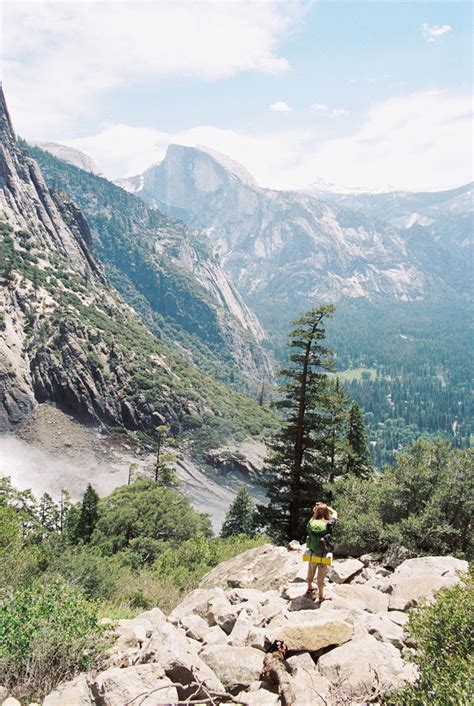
x,y
47,635
425,502
185,566
444,632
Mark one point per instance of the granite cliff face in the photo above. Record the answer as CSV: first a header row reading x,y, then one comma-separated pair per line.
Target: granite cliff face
x,y
70,155
67,337
289,246
169,274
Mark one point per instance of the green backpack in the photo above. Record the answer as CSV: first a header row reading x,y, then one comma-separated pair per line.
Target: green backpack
x,y
317,536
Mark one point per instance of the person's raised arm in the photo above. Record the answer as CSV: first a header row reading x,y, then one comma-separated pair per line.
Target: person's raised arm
x,y
333,513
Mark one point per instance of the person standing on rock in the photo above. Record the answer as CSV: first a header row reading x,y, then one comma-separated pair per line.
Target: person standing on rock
x,y
318,543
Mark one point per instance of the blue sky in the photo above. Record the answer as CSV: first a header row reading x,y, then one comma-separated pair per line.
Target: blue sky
x,y
357,93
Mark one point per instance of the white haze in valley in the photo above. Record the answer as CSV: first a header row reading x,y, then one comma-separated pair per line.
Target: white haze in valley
x,y
30,467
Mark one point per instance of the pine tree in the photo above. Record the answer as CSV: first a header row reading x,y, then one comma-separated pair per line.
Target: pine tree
x,y
338,447
240,517
358,459
88,515
298,463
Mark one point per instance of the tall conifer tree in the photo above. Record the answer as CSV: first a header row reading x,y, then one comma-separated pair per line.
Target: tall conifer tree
x,y
298,464
358,459
240,517
88,515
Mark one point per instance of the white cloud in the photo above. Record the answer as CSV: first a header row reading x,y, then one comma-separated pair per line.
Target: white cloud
x,y
59,57
280,107
431,33
326,109
418,141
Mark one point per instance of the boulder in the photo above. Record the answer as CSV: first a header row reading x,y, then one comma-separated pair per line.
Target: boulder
x,y
260,697
215,636
266,567
309,686
344,569
116,687
236,667
72,693
408,592
11,701
431,566
177,657
302,603
362,597
293,590
194,626
398,617
385,630
196,602
360,667
312,630
246,634
422,578
223,614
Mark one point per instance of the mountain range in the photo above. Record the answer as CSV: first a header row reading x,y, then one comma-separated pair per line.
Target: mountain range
x,y
292,247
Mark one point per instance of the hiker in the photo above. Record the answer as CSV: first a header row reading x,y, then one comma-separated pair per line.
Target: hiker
x,y
319,544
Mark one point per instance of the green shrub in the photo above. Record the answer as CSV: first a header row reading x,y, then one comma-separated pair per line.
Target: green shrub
x,y
444,632
48,633
186,565
425,502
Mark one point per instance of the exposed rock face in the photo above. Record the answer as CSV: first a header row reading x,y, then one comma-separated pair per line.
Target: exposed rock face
x,y
288,246
166,270
66,336
338,653
70,155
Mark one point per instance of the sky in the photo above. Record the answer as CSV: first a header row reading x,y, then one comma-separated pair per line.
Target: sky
x,y
357,93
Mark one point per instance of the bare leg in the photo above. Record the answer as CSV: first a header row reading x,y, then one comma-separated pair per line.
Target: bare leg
x,y
310,575
322,570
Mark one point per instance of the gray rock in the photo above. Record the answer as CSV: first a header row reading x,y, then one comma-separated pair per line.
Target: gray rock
x,y
236,667
215,636
116,687
385,630
302,603
194,626
343,570
312,630
408,592
362,597
177,656
309,686
260,697
266,567
196,602
11,701
359,666
72,693
398,617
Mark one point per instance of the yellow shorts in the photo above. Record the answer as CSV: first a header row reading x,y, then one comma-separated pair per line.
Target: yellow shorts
x,y
314,559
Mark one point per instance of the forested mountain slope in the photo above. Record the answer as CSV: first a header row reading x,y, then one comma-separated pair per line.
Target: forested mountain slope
x,y
67,337
167,272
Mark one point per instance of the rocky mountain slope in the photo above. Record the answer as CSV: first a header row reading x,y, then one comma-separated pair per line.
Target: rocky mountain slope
x,y
70,155
67,337
437,227
168,274
292,247
343,651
